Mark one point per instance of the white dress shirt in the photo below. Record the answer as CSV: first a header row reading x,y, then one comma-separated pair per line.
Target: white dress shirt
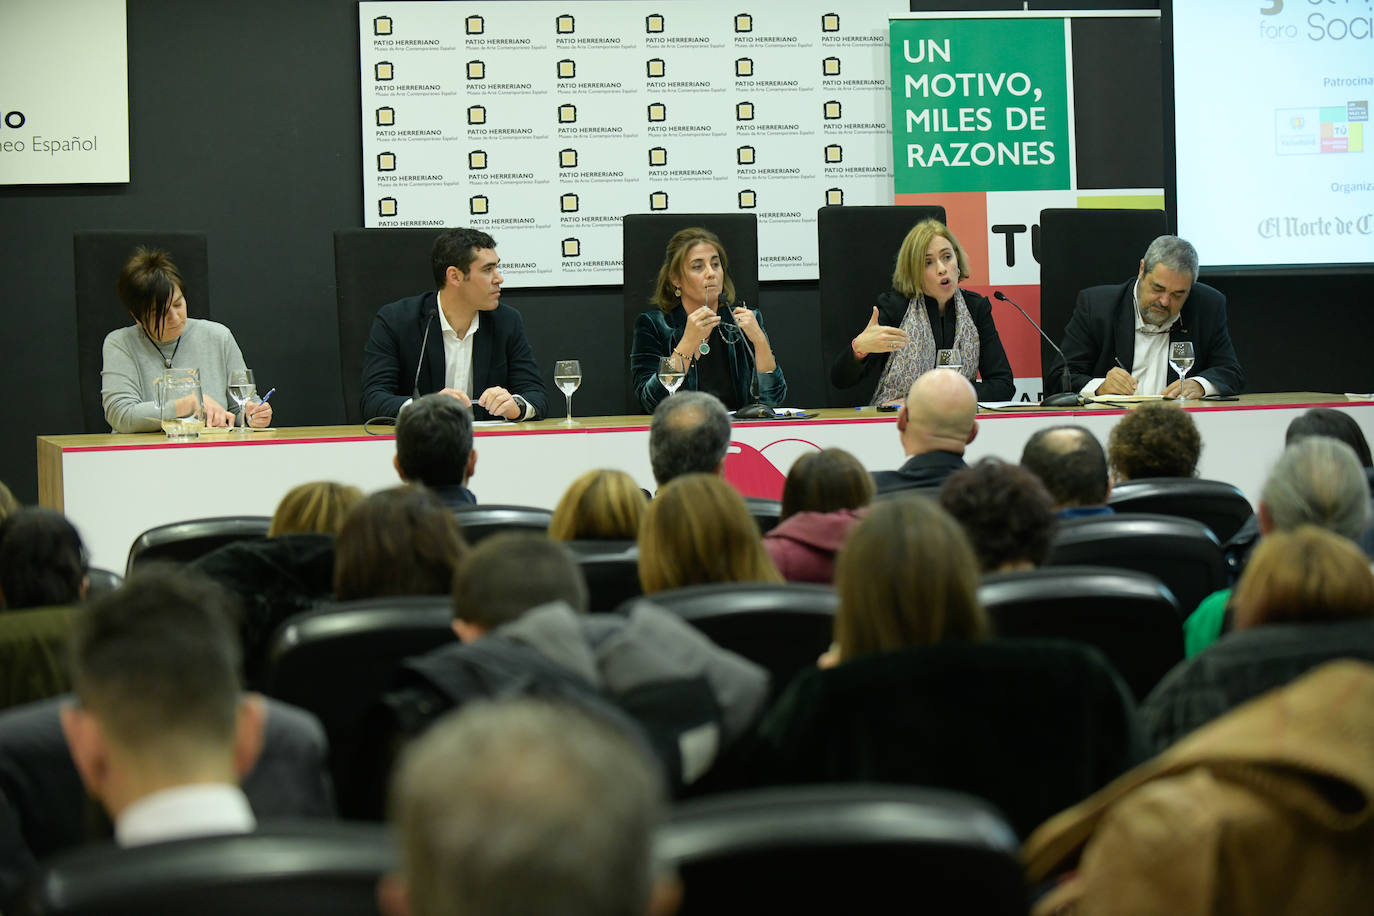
x,y
458,353
200,809
1150,364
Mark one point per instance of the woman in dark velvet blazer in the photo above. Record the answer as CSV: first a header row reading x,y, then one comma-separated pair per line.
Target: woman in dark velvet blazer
x,y
721,349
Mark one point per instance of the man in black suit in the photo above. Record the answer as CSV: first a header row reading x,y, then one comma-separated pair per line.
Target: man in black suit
x,y
1117,340
936,423
459,340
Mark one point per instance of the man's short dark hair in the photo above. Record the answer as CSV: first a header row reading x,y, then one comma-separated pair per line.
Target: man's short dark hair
x,y
456,248
157,659
689,434
1006,511
507,574
1154,440
1070,463
434,439
42,560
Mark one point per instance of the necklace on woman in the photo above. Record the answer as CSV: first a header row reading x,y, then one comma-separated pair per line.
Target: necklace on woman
x,y
166,360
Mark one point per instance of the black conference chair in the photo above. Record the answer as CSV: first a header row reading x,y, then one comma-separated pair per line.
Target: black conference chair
x,y
857,248
766,512
99,257
1181,553
1081,248
842,849
101,581
909,493
482,521
1220,506
1130,616
182,542
782,627
337,662
276,871
646,238
612,572
1031,725
371,268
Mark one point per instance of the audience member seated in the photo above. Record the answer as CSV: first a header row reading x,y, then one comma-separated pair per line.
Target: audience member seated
x,y
1319,421
1071,464
936,423
520,612
1006,512
689,434
695,297
821,500
402,541
698,531
1154,440
434,448
913,690
289,572
1317,481
163,338
526,807
160,732
42,560
602,505
1306,597
8,504
1268,809
319,507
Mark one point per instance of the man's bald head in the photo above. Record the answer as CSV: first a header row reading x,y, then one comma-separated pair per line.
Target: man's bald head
x,y
1070,462
939,413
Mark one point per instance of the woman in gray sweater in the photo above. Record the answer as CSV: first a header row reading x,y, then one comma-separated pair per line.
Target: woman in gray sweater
x,y
163,338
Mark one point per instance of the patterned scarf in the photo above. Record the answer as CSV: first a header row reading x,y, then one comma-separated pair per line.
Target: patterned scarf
x,y
918,356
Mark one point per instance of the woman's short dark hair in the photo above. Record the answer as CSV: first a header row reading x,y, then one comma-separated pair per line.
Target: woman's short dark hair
x,y
1334,424
1154,440
1005,510
148,284
42,560
826,481
402,541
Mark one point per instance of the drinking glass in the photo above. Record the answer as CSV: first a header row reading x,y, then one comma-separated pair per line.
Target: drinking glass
x,y
1181,358
567,375
174,389
948,359
242,389
671,372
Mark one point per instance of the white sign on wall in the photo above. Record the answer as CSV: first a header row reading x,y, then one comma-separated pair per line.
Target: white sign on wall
x,y
544,125
64,92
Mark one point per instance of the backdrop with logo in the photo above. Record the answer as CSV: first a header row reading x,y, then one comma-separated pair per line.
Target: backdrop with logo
x,y
64,109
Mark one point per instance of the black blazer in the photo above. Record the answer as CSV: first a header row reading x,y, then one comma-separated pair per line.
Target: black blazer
x,y
995,384
500,356
1102,328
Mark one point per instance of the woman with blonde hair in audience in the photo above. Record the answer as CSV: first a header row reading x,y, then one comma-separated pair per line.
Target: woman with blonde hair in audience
x,y
601,505
698,531
821,501
1307,575
319,506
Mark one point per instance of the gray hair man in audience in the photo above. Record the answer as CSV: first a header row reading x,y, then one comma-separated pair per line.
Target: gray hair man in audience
x,y
1071,464
160,732
690,433
1316,481
434,447
936,423
524,807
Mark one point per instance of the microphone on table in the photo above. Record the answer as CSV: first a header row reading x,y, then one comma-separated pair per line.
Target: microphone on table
x,y
755,409
1067,397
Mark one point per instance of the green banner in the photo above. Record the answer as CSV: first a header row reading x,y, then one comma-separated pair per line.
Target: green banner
x,y
979,105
